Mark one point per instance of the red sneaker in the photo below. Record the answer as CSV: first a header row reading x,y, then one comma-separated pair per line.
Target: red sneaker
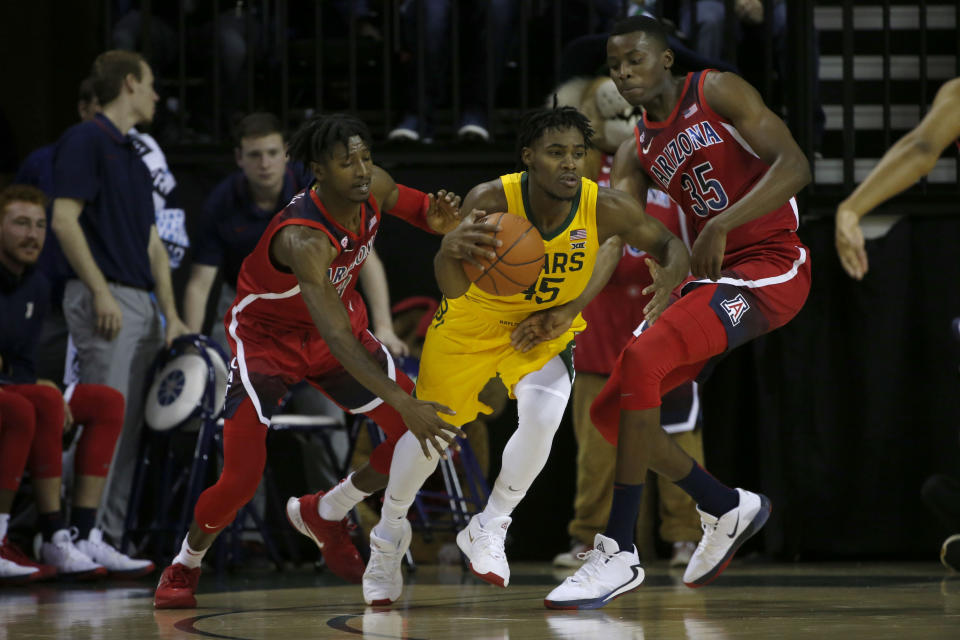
x,y
11,552
176,588
332,537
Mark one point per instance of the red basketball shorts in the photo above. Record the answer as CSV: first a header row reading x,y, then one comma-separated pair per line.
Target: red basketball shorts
x,y
266,365
758,291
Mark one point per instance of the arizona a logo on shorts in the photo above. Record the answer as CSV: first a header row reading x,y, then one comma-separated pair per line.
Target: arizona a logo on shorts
x,y
735,308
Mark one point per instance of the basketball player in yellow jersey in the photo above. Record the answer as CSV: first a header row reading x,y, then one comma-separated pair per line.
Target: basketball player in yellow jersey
x,y
525,339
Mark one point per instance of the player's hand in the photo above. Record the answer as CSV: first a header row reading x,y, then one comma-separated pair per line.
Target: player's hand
x,y
175,329
443,214
706,257
541,326
664,282
108,313
471,240
392,341
850,244
423,422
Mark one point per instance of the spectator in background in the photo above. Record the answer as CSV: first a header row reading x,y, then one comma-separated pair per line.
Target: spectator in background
x,y
37,170
236,213
35,414
704,22
103,216
499,16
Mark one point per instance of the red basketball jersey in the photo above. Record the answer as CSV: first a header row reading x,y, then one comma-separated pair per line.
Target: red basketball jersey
x,y
269,299
614,314
700,159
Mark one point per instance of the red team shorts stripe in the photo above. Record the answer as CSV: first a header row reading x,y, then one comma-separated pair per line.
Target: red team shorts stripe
x,y
268,362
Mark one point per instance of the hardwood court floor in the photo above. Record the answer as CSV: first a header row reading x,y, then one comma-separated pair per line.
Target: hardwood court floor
x,y
915,601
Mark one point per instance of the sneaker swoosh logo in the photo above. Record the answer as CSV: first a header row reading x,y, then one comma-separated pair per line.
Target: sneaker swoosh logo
x,y
470,535
736,525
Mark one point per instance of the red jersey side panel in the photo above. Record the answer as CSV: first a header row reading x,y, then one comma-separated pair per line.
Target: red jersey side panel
x,y
269,298
700,159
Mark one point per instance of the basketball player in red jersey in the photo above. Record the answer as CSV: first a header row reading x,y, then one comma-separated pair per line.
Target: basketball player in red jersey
x,y
298,316
911,158
708,141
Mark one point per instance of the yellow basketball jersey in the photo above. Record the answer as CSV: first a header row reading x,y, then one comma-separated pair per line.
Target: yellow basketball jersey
x,y
570,252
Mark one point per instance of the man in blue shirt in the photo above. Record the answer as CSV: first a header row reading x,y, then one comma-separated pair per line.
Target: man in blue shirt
x,y
103,216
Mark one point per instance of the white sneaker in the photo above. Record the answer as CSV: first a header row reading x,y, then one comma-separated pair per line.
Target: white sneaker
x,y
69,561
13,573
607,573
723,536
571,559
682,551
383,579
115,562
483,546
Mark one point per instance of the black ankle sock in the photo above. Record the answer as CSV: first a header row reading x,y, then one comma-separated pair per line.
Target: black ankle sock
x,y
49,524
623,514
711,495
82,518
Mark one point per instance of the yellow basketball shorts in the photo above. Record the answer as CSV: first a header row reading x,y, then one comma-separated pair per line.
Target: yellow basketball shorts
x,y
464,349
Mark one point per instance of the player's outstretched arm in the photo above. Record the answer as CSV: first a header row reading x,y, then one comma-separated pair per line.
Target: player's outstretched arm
x,y
438,213
731,97
912,157
619,214
309,253
470,240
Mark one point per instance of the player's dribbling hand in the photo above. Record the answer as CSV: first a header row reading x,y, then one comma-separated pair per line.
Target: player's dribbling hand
x,y
471,240
662,286
541,326
706,258
850,244
443,213
423,422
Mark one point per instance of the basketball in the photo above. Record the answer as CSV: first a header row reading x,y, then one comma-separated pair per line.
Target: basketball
x,y
519,259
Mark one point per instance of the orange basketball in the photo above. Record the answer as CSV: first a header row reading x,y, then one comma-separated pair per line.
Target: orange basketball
x,y
519,259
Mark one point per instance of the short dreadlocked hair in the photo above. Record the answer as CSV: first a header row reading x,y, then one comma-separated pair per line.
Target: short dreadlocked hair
x,y
535,123
315,139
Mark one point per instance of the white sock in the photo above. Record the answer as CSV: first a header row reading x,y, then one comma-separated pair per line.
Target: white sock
x,y
189,557
336,503
409,469
4,523
541,399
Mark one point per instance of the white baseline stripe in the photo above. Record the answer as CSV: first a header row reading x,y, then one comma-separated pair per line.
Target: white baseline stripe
x,y
241,361
762,282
